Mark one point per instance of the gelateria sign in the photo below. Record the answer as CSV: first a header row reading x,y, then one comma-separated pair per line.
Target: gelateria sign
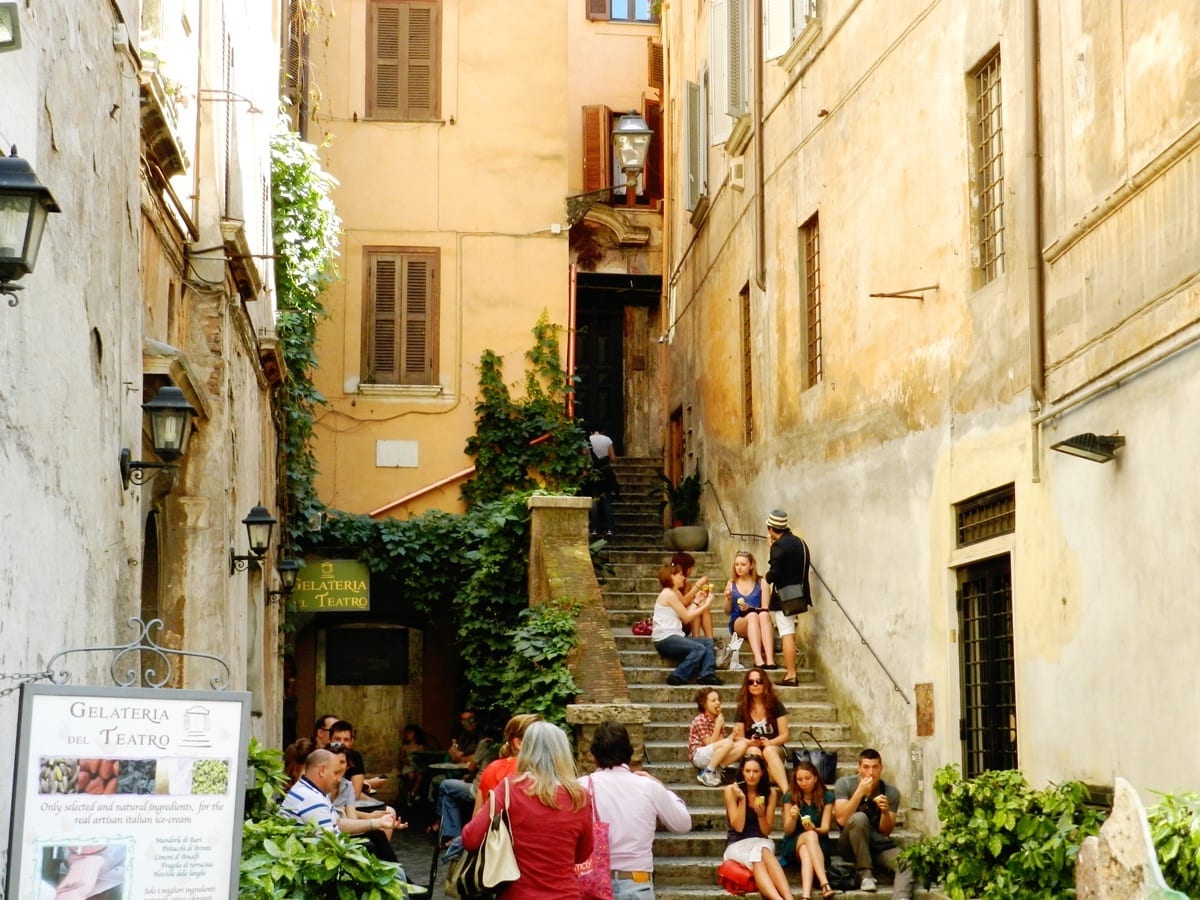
x,y
128,792
333,585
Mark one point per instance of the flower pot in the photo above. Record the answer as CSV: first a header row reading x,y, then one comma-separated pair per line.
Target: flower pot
x,y
686,537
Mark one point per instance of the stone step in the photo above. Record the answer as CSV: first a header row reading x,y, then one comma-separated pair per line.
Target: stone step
x,y
642,653
687,892
807,689
696,871
669,764
674,734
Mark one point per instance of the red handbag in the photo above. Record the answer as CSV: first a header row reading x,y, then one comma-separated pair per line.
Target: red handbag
x,y
735,878
643,628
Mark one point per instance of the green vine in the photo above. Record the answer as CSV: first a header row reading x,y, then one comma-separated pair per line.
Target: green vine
x,y
521,445
1000,838
307,228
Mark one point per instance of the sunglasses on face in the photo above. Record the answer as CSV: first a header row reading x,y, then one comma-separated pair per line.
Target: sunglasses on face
x,y
754,681
336,747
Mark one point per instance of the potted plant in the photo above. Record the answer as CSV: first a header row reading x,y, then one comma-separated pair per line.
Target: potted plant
x,y
683,499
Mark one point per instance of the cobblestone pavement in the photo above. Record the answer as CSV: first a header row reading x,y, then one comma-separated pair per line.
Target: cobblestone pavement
x,y
414,849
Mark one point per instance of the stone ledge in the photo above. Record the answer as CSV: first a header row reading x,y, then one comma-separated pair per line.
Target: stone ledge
x,y
595,713
558,501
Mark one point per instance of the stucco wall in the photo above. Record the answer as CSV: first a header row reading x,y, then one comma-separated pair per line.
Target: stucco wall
x,y
926,402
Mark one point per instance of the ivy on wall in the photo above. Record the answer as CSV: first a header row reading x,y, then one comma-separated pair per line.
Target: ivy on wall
x,y
472,568
307,230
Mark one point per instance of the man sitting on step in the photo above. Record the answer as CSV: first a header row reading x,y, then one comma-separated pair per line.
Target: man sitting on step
x,y
864,806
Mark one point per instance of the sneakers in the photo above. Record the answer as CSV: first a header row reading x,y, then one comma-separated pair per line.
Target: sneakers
x,y
710,679
868,884
675,680
709,778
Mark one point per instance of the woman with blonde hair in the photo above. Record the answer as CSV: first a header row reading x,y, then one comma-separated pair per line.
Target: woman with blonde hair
x,y
459,800
549,814
747,596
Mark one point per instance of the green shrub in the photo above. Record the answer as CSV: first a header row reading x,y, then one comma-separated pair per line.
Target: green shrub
x,y
536,678
282,859
1000,838
1175,828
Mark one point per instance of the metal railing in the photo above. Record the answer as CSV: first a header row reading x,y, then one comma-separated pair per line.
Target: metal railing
x,y
832,596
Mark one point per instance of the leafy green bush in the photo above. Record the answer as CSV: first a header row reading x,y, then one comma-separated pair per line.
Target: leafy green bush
x,y
1000,838
536,677
1175,828
283,859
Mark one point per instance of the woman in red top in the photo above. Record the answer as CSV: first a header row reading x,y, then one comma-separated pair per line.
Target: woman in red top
x,y
549,815
499,769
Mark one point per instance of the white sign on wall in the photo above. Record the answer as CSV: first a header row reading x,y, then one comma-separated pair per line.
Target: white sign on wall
x,y
128,793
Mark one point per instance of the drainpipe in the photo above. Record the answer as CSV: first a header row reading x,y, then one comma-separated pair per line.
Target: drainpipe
x,y
760,218
1035,273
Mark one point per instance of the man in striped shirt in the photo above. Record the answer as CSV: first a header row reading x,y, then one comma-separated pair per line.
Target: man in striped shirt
x,y
308,799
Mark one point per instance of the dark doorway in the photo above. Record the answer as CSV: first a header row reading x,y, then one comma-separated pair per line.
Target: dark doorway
x,y
601,301
989,724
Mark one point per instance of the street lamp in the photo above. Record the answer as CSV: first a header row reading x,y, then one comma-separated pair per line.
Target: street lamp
x,y
24,203
631,140
258,524
170,427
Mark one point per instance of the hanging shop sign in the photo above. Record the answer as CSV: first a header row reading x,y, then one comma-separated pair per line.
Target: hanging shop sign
x,y
134,791
333,585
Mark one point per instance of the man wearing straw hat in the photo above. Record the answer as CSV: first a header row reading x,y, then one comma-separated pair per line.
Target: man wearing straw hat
x,y
787,573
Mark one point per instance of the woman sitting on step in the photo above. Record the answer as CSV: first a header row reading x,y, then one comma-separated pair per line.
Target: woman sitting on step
x,y
747,596
807,818
762,718
750,815
696,662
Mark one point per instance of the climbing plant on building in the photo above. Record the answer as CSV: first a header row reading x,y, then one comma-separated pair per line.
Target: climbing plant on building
x,y
307,230
532,442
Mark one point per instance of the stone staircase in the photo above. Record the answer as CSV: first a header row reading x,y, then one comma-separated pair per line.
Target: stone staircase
x,y
685,864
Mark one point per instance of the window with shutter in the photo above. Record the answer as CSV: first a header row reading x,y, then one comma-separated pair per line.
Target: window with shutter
x,y
403,59
400,336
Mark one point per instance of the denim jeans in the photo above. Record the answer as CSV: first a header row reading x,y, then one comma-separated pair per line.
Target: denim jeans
x,y
694,653
455,800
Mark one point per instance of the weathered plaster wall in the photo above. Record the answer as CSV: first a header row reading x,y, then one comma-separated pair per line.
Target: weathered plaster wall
x,y
69,537
924,403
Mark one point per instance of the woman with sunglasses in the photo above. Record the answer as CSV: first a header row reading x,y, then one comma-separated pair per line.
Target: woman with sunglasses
x,y
747,597
762,718
750,813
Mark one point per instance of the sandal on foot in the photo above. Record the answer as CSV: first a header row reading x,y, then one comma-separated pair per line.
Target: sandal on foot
x,y
827,891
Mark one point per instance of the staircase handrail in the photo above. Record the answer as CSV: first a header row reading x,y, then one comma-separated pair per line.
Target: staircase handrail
x,y
832,596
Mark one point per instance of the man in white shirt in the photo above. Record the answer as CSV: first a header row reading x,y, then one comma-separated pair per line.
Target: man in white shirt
x,y
633,804
604,487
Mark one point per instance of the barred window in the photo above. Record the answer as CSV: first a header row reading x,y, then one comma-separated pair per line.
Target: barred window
x,y
986,515
988,170
810,252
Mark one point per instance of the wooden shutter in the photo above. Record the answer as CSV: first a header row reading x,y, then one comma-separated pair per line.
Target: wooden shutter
x,y
738,98
654,58
383,362
418,319
597,148
693,115
598,9
653,177
401,340
403,59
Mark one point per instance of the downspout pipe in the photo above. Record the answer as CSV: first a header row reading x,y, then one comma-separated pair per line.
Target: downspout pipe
x,y
760,216
1034,234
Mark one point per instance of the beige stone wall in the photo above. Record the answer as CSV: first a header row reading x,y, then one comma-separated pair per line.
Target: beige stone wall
x,y
926,402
